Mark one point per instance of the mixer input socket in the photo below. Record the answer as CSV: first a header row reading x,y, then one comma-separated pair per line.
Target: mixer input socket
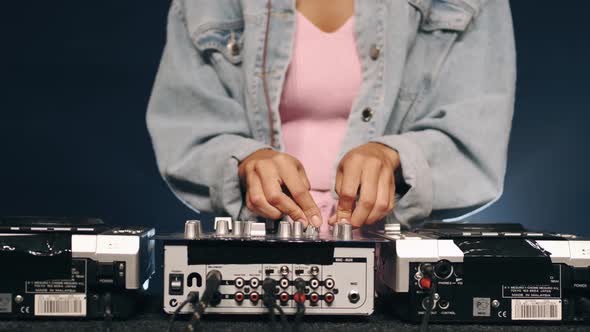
x,y
314,283
254,282
329,283
284,283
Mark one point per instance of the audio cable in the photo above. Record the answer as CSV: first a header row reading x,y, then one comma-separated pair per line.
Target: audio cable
x,y
212,283
108,313
300,301
430,302
192,298
269,301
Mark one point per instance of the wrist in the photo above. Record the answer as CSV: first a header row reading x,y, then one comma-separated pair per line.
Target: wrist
x,y
390,153
258,154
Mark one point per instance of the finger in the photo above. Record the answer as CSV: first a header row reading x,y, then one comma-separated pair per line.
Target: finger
x,y
304,178
383,200
338,185
332,220
391,204
351,175
368,194
255,199
292,178
274,194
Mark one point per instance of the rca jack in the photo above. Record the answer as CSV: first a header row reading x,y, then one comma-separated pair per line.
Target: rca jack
x,y
329,283
284,283
239,282
284,297
314,298
239,297
254,282
329,298
314,283
254,297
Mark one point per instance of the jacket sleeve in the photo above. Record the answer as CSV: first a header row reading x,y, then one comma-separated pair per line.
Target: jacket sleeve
x,y
453,155
198,132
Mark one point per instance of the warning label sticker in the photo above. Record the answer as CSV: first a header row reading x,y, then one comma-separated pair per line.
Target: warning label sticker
x,y
77,284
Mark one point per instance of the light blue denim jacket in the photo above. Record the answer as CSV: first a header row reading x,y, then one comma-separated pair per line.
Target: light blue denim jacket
x,y
437,86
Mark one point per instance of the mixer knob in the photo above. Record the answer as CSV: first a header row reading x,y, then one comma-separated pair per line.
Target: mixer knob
x,y
297,229
192,229
258,229
345,231
247,228
311,232
284,229
238,227
227,219
393,229
222,226
335,229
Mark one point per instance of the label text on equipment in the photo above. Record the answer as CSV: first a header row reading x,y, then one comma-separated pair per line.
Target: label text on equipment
x,y
530,309
60,305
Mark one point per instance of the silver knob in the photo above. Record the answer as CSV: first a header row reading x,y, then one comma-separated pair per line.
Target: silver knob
x,y
335,229
237,231
311,232
393,229
221,227
192,229
297,229
247,228
345,231
258,229
284,229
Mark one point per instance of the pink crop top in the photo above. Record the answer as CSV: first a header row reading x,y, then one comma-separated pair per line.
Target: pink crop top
x,y
320,87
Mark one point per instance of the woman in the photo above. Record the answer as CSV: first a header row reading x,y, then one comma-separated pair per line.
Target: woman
x,y
338,111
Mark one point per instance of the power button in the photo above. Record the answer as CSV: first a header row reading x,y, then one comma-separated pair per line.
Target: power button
x,y
175,284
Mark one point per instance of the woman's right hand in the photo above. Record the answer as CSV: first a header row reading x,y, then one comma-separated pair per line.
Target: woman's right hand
x,y
276,184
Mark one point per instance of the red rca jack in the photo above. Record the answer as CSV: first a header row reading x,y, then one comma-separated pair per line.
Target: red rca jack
x,y
284,297
239,297
314,298
254,297
299,297
329,298
425,283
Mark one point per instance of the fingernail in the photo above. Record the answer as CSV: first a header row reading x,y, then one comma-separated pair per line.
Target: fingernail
x,y
316,221
344,221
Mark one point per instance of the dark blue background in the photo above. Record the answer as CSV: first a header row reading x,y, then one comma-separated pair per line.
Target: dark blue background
x,y
76,78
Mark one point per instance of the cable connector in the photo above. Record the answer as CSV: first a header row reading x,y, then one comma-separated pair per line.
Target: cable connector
x,y
268,297
192,298
300,301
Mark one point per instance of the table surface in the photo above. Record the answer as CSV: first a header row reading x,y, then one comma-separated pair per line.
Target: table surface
x,y
154,320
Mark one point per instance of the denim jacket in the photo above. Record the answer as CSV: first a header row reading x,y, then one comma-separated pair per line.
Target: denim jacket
x,y
438,84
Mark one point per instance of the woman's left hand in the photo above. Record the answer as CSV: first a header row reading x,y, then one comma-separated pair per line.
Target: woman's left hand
x,y
366,171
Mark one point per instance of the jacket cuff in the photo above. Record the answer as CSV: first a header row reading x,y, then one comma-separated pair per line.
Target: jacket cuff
x,y
415,204
226,194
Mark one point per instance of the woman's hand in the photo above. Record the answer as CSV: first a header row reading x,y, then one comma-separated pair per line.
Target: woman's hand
x,y
368,169
276,184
